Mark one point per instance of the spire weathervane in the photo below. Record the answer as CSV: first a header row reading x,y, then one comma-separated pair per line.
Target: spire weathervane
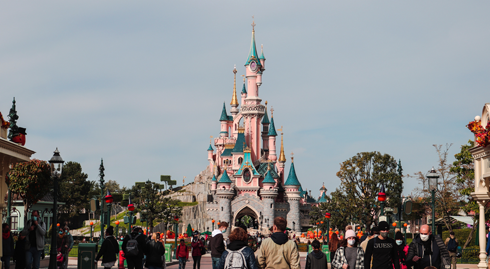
x,y
292,157
253,24
210,139
243,79
272,111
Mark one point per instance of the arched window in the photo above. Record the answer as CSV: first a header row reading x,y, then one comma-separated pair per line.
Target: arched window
x,y
247,177
240,160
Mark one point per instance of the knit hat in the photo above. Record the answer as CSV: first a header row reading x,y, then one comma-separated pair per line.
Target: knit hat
x,y
383,226
398,236
350,233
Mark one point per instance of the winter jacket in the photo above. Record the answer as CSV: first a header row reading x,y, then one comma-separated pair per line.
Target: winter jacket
x,y
316,260
340,258
62,244
20,254
141,244
277,252
247,253
70,240
217,244
154,253
196,247
109,249
182,251
8,246
440,254
40,232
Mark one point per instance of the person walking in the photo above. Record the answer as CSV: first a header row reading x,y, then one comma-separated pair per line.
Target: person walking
x,y
217,243
333,245
133,246
350,257
316,259
238,254
8,246
109,249
70,246
34,232
382,250
182,254
62,247
402,249
427,250
452,246
155,251
197,247
20,253
374,233
277,251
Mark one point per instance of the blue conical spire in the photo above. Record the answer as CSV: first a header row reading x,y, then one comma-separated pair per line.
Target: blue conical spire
x,y
292,178
323,199
210,148
265,119
224,178
224,116
272,128
252,55
268,177
214,178
244,90
262,52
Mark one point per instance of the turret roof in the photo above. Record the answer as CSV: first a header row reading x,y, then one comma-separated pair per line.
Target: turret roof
x,y
272,128
214,178
263,168
210,148
301,191
268,178
265,119
322,199
225,178
240,142
253,52
292,178
224,115
262,53
244,90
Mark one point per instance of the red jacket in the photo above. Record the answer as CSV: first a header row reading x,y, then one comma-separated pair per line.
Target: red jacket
x,y
196,247
182,251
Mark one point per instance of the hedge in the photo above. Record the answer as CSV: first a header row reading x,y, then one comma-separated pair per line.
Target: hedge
x,y
461,235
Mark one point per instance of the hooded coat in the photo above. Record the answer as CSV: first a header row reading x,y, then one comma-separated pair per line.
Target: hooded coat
x,y
277,252
316,260
247,253
439,253
217,244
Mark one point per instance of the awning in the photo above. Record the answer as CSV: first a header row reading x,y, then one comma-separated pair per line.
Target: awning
x,y
453,219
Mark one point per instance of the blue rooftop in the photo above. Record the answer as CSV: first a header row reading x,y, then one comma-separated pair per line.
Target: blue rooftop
x,y
214,178
268,178
224,178
224,116
272,129
265,119
253,52
244,90
323,199
240,142
292,178
210,148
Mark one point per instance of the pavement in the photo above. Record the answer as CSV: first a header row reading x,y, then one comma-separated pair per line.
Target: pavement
x,y
206,263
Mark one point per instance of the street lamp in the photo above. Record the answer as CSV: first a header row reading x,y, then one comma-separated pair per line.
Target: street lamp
x,y
176,219
405,232
91,231
382,199
108,200
130,209
56,167
432,178
117,228
212,221
327,216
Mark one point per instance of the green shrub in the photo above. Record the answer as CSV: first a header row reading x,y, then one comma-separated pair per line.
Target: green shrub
x,y
461,235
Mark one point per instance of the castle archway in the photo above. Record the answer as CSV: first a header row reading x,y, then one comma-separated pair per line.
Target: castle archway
x,y
246,216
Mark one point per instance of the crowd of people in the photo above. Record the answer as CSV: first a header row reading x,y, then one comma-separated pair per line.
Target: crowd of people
x,y
373,250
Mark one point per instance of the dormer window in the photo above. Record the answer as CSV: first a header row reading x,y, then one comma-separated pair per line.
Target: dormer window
x,y
247,176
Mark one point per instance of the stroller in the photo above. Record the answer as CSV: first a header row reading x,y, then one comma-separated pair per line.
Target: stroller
x,y
60,259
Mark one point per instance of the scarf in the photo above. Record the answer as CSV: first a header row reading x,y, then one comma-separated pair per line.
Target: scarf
x,y
6,235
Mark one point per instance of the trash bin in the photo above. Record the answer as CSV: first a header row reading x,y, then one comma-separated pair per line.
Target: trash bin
x,y
326,251
121,258
86,256
168,252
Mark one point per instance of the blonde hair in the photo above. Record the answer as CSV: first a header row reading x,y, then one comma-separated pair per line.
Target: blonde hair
x,y
154,236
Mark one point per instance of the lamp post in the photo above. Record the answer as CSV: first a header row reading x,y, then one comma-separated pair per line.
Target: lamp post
x,y
117,228
91,231
176,218
327,216
56,167
108,200
405,232
432,178
102,200
130,209
212,221
317,223
394,229
382,199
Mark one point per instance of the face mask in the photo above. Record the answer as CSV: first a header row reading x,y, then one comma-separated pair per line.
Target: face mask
x,y
351,242
384,234
34,218
224,231
61,232
66,231
399,242
424,237
139,233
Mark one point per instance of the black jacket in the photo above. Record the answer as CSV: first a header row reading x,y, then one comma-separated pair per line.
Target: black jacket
x,y
316,260
109,250
440,254
154,253
247,253
141,245
217,245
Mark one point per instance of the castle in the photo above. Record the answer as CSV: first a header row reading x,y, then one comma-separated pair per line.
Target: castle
x,y
246,175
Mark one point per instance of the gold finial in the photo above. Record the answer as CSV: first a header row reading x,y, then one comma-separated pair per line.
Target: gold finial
x,y
292,157
282,156
272,111
265,103
253,24
243,79
210,139
280,130
268,166
234,99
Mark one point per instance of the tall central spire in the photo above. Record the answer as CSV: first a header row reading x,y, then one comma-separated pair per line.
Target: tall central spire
x,y
234,99
253,48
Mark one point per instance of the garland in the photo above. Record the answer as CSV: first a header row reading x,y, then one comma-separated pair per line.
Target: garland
x,y
482,135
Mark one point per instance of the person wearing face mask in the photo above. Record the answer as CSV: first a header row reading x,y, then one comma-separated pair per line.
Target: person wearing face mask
x,y
374,233
350,257
34,232
402,249
217,243
62,247
69,239
427,250
7,244
382,250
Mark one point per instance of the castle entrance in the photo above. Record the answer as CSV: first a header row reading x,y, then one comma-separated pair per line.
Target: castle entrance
x,y
247,217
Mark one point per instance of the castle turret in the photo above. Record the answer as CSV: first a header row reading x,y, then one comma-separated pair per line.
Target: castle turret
x,y
224,122
269,194
225,194
272,138
244,91
323,189
234,99
262,58
292,191
265,132
213,183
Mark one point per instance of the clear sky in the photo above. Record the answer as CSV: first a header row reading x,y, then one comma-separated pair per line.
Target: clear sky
x,y
141,83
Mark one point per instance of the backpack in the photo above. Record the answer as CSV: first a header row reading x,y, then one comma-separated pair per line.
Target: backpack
x,y
451,245
235,260
132,249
